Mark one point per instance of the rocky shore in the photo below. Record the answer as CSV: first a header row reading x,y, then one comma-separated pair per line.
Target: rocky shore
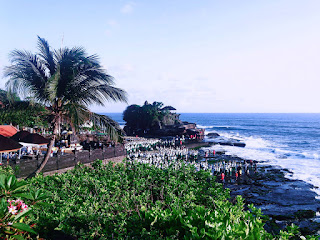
x,y
269,188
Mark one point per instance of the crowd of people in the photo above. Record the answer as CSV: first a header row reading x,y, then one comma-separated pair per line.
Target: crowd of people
x,y
165,153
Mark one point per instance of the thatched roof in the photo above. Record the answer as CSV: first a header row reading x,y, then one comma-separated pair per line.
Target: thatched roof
x,y
8,145
20,135
35,139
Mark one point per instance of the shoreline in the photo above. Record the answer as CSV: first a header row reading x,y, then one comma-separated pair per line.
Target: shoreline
x,y
283,200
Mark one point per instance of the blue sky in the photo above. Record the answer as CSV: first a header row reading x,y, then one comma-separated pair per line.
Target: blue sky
x,y
198,56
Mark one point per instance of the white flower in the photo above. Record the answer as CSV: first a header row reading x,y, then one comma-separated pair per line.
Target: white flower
x,y
24,206
12,209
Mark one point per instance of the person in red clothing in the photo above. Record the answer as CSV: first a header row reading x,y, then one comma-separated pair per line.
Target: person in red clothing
x,y
222,177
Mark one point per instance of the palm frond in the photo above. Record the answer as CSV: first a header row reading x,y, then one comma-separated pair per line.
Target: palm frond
x,y
47,55
67,80
76,114
107,124
82,79
27,75
109,93
52,85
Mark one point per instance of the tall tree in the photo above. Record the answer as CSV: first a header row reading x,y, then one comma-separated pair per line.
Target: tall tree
x,y
67,81
146,118
6,99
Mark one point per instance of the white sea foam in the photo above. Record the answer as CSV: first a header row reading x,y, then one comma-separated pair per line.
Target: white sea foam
x,y
304,165
203,126
216,127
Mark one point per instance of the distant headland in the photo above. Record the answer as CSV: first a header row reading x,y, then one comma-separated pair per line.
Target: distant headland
x,y
157,120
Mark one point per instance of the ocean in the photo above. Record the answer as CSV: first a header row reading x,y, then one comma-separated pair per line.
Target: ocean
x,y
290,140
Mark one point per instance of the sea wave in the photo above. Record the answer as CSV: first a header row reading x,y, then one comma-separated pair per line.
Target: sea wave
x,y
303,164
214,127
286,140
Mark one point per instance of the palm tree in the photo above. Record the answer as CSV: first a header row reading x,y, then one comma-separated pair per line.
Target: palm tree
x,y
67,81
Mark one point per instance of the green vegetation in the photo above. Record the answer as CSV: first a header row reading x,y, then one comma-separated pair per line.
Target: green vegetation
x,y
146,118
25,114
7,99
17,204
66,81
138,201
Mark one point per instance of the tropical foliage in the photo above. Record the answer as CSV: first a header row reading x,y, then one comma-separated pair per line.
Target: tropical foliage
x,y
138,201
24,113
6,98
17,204
66,81
145,118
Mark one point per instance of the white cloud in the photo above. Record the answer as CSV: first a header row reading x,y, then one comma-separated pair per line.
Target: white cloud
x,y
127,8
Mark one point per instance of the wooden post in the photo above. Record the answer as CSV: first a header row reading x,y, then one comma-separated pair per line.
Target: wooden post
x,y
57,161
75,157
38,162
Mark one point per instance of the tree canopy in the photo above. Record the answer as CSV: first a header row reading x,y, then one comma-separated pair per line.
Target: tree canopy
x,y
23,113
7,98
67,81
146,118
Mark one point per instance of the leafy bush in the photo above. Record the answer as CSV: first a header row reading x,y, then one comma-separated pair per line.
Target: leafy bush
x,y
16,207
24,113
138,201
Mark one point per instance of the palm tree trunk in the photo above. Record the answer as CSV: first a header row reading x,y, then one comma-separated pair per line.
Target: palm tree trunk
x,y
47,155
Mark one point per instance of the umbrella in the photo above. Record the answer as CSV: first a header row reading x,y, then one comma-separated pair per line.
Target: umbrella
x,y
19,135
8,145
35,139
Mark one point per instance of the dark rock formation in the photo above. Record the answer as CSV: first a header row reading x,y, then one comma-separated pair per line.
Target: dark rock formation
x,y
189,130
284,200
212,135
150,120
226,141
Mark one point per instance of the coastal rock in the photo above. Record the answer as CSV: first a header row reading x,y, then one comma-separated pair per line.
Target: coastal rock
x,y
227,141
284,200
189,130
213,135
151,120
301,214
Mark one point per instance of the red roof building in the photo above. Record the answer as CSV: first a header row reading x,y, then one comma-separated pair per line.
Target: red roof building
x,y
8,130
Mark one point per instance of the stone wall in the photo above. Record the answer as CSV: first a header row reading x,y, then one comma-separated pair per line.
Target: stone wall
x,y
26,166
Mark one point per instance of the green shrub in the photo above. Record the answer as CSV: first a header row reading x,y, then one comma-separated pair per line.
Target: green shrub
x,y
138,201
16,207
